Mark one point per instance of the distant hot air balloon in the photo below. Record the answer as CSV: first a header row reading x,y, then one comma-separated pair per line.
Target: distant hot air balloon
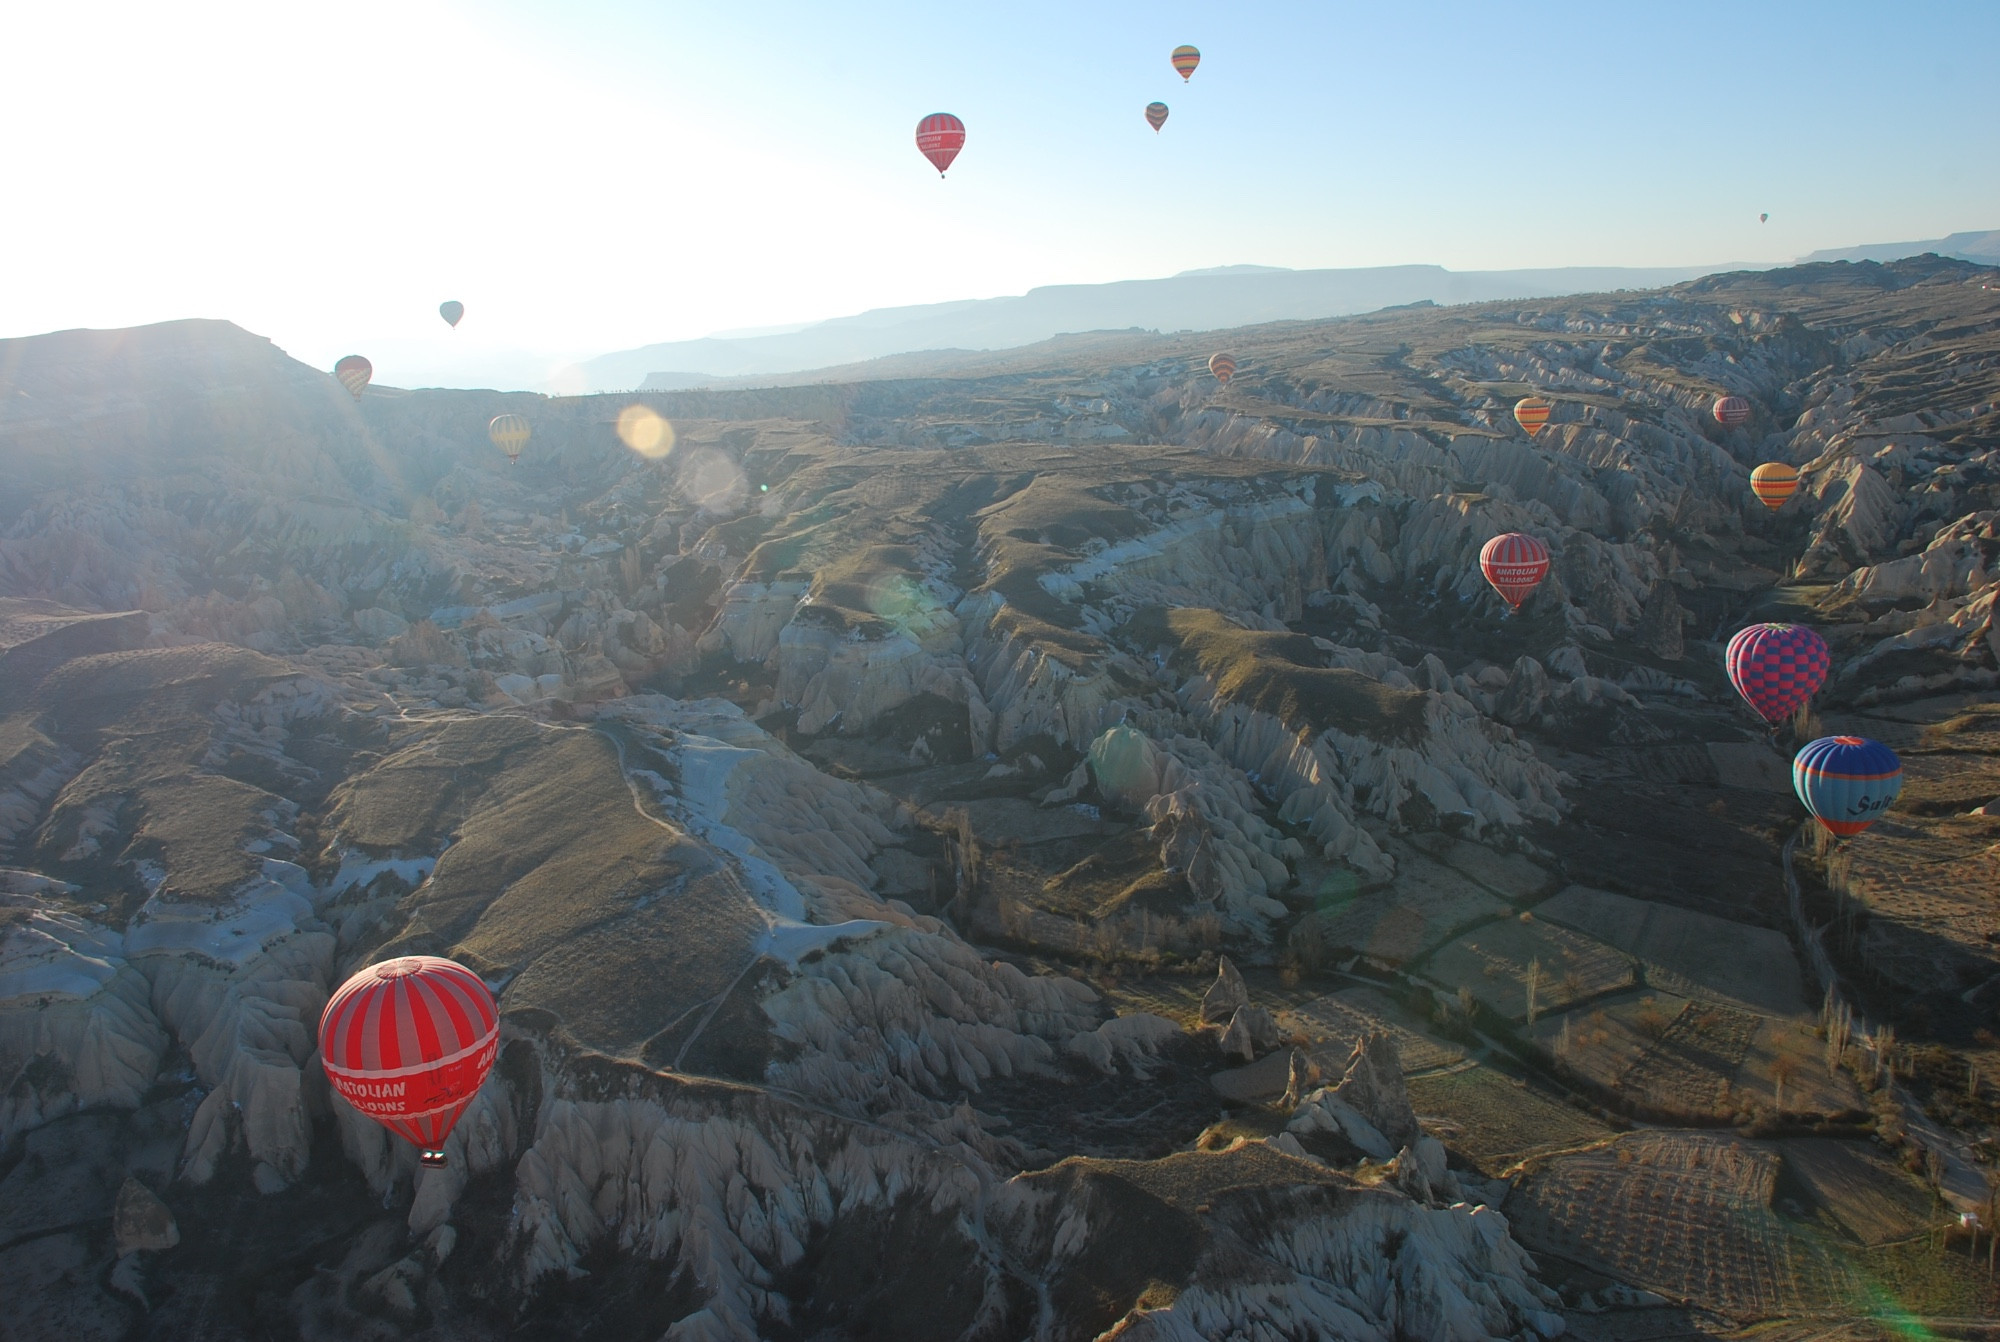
x,y
1847,782
451,310
1156,115
1532,413
1776,667
354,372
1763,218
408,1042
939,138
1773,483
510,434
1185,59
1515,564
1729,411
1223,366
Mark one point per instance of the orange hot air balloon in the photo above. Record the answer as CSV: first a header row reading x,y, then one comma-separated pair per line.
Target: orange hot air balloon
x,y
1223,366
1185,59
1515,564
1773,483
1156,116
408,1043
1533,412
939,138
510,434
354,373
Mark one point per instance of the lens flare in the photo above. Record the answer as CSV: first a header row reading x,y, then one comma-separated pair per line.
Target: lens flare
x,y
713,481
645,432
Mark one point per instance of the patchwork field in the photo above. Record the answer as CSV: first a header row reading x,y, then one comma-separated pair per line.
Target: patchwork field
x,y
1686,952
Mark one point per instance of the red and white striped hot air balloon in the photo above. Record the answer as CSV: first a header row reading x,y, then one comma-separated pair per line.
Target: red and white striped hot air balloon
x,y
1729,411
354,373
939,138
408,1043
1515,563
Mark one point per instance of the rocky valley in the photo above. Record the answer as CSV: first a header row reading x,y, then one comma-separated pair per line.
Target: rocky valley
x,y
1051,847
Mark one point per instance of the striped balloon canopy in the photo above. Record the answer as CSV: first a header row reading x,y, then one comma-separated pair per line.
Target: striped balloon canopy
x,y
354,373
1223,365
1729,411
1847,782
1776,667
1773,483
1185,59
1532,412
408,1042
1515,563
510,433
1156,115
939,138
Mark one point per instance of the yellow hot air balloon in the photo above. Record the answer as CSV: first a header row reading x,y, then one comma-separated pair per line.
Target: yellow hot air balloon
x,y
1185,59
1223,366
510,434
354,373
1533,412
1773,483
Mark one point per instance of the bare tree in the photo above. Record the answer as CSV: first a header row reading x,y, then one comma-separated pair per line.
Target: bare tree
x,y
1534,986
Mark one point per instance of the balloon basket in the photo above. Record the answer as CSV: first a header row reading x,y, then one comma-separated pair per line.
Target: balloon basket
x,y
432,1160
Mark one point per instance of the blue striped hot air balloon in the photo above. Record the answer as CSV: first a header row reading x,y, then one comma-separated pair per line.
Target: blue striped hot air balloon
x,y
1847,782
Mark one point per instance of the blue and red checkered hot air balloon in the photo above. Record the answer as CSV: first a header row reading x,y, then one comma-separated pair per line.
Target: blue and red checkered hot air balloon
x,y
1847,782
1776,667
408,1042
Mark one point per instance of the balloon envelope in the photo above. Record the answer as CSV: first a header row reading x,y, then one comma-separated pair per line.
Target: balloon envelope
x,y
1185,59
1532,413
1729,411
408,1042
1776,667
1515,564
451,310
510,434
1223,366
1156,115
354,373
1773,483
939,138
1763,218
1847,782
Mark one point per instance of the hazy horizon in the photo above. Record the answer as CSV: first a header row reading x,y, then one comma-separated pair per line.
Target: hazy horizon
x,y
612,175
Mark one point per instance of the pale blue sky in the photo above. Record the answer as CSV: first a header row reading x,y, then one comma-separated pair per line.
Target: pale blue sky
x,y
595,174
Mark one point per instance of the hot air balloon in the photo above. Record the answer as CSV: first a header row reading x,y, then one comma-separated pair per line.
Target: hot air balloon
x,y
1763,218
408,1042
939,138
510,434
1847,782
1776,667
1515,564
1223,366
1729,411
1532,413
1773,483
1156,115
354,372
451,310
1185,59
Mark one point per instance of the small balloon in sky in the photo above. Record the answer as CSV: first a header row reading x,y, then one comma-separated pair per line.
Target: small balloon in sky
x,y
939,138
354,373
1156,115
1185,59
451,310
1763,218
